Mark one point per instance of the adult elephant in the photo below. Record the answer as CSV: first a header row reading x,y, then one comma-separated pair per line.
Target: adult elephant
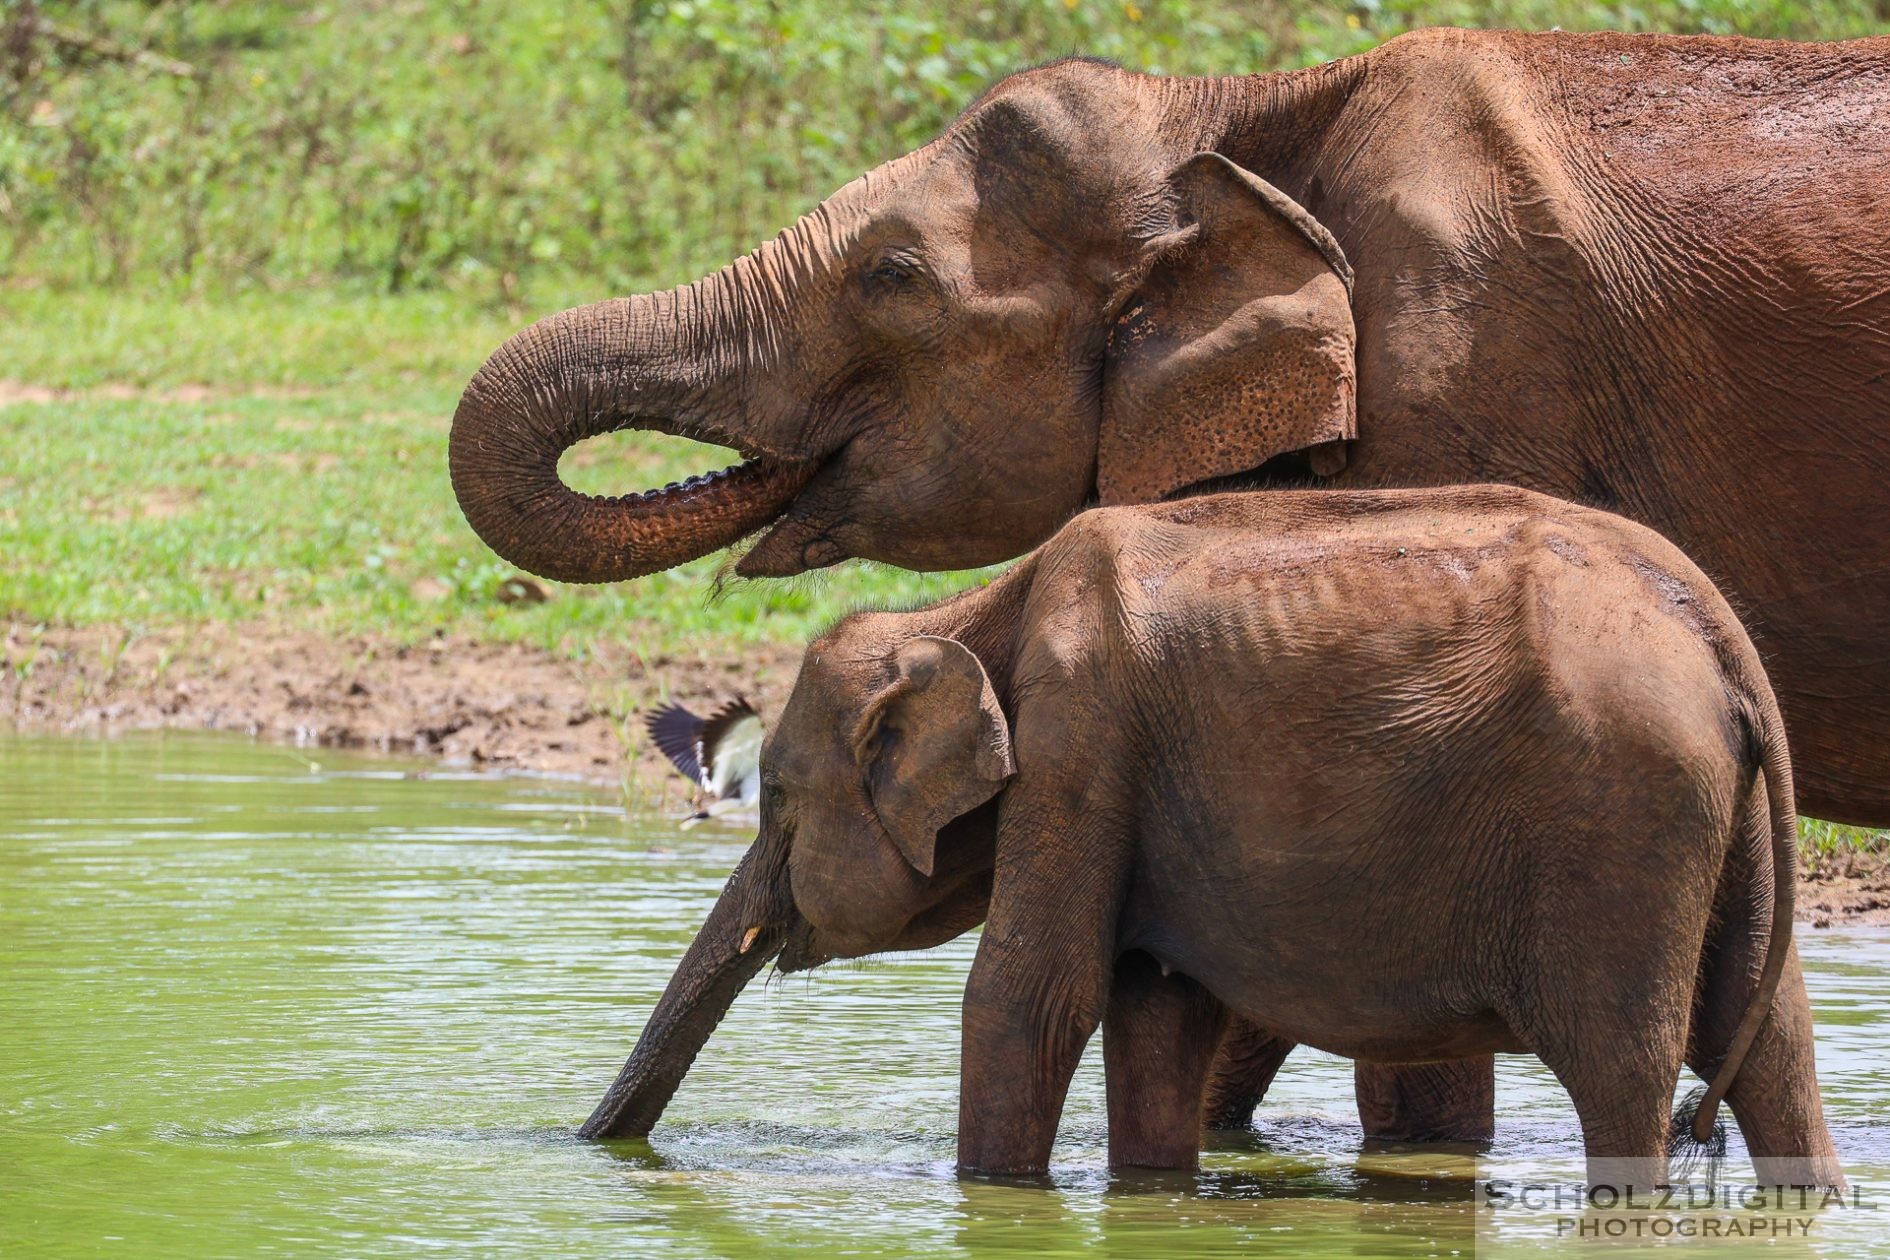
x,y
1651,274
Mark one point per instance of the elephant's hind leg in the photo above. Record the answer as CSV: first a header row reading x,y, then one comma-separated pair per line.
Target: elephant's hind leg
x,y
1243,1072
1160,1033
1775,1096
1454,1101
1614,1032
1397,1102
1622,1088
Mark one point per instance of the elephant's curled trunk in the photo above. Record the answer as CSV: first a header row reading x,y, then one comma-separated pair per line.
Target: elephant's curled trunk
x,y
743,933
625,363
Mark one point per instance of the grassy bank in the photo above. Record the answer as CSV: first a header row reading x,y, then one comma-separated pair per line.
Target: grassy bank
x,y
281,459
250,253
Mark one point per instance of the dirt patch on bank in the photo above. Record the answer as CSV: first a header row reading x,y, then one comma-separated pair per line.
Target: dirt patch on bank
x,y
15,393
1847,887
480,704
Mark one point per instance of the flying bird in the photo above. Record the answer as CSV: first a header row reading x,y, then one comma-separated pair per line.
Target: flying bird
x,y
720,753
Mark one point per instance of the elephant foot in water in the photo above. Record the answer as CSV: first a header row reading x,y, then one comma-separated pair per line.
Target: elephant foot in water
x,y
1454,1101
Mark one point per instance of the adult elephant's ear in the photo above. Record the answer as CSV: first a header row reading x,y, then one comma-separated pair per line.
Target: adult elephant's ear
x,y
1238,345
933,745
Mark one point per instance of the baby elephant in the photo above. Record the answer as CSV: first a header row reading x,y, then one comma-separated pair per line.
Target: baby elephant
x,y
1406,776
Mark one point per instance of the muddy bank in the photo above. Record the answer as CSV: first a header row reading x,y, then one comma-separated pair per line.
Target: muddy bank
x,y
496,706
499,706
1847,887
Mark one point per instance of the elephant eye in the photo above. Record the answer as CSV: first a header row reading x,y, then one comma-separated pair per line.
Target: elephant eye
x,y
774,800
892,273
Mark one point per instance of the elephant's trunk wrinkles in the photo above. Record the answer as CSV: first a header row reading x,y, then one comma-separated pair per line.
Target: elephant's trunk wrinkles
x,y
630,363
745,930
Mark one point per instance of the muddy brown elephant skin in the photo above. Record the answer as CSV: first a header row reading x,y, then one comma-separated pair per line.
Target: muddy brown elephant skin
x,y
1182,749
1647,273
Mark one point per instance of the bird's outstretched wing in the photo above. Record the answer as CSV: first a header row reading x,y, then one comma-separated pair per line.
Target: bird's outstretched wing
x,y
678,732
722,721
730,744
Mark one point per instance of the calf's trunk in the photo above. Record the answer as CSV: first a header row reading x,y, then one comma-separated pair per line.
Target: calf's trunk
x,y
743,933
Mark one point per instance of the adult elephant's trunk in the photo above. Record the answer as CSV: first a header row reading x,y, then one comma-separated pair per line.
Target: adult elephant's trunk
x,y
654,362
745,930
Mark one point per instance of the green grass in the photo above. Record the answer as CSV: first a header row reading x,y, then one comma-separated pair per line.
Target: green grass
x,y
307,339
1819,840
301,480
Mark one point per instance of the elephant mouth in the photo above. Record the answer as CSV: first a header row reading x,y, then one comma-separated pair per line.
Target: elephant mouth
x,y
800,953
800,536
766,480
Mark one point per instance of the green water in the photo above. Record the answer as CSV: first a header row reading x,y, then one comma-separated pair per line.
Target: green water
x,y
251,1004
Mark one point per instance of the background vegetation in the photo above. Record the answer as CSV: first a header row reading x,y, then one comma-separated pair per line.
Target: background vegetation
x,y
250,251
398,143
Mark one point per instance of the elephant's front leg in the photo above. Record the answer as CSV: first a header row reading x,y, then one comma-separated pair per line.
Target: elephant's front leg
x,y
1159,1037
1453,1101
1038,985
1028,1015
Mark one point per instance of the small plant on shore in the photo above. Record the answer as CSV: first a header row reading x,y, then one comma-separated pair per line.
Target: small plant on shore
x,y
1821,844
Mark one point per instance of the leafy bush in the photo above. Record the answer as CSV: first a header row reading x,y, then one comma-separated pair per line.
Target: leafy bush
x,y
418,142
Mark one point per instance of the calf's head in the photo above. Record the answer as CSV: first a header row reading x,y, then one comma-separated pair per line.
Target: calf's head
x,y
878,832
879,783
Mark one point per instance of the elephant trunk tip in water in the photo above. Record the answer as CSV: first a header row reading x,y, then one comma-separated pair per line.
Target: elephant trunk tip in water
x,y
752,922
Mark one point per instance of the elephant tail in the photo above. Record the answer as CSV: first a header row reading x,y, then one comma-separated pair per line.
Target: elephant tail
x,y
1765,740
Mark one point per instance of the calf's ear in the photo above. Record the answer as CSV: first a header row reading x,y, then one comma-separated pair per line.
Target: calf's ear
x,y
932,745
1237,346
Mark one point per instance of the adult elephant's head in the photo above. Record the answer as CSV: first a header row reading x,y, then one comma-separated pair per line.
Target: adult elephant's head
x,y
1061,299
